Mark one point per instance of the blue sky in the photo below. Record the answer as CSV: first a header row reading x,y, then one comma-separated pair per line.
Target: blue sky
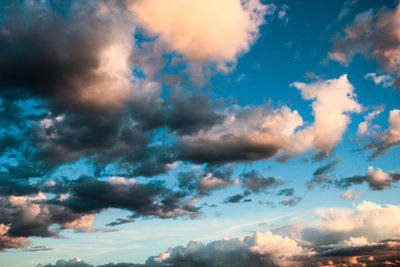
x,y
267,129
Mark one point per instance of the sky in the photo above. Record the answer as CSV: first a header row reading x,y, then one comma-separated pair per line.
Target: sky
x,y
199,133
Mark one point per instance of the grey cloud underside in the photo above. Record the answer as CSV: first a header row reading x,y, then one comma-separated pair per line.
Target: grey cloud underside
x,y
86,196
323,174
53,71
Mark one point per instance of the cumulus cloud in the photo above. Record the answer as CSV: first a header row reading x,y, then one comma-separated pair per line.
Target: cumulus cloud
x,y
376,35
254,133
334,99
194,28
366,235
374,222
260,249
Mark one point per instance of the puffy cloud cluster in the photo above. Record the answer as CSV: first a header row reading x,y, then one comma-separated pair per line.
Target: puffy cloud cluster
x,y
76,203
367,235
260,249
376,35
372,221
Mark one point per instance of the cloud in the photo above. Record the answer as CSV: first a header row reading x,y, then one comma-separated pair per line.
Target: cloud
x,y
254,133
376,35
73,204
75,262
260,249
389,138
376,179
257,183
366,235
349,195
286,192
323,174
334,99
85,64
193,29
7,241
206,181
385,79
364,127
291,202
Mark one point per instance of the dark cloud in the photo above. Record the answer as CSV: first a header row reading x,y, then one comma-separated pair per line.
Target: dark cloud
x,y
120,221
238,198
374,34
78,201
323,174
205,182
376,179
291,202
286,192
257,183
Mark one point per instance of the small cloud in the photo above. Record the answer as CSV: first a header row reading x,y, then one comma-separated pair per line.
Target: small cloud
x,y
385,80
349,195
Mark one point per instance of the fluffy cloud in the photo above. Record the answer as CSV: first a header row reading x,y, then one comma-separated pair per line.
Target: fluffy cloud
x,y
366,235
333,100
367,219
253,133
203,31
376,36
260,249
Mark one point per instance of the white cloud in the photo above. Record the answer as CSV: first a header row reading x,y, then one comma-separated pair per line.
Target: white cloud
x,y
252,133
373,221
203,31
333,99
364,127
385,79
